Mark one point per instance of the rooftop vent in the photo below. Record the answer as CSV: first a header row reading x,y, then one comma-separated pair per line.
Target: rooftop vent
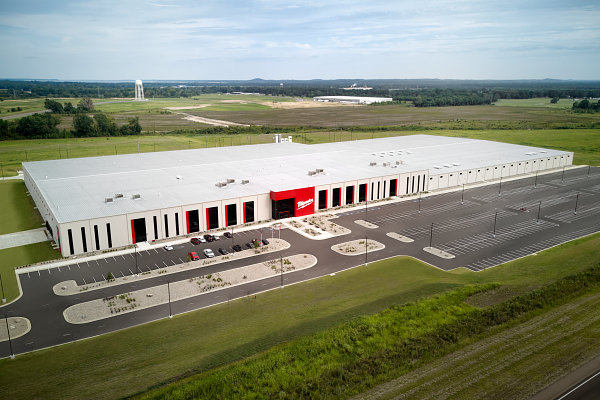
x,y
221,184
245,181
542,151
391,153
399,162
136,197
179,177
319,170
373,154
311,173
119,195
447,165
230,180
455,164
386,164
108,200
437,167
382,155
527,154
373,163
408,152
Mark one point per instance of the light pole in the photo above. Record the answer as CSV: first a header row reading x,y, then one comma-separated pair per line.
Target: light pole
x,y
562,180
419,202
500,187
366,246
431,236
539,209
589,168
495,219
232,242
2,167
169,291
535,183
576,201
462,197
12,354
1,284
366,208
281,261
136,265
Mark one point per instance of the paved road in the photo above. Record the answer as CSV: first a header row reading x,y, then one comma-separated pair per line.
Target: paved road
x,y
463,228
581,384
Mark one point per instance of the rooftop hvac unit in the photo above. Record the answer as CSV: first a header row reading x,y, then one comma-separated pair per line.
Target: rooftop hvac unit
x,y
391,153
179,177
136,197
373,164
382,155
119,195
534,153
108,200
245,181
437,167
455,164
373,154
230,180
447,165
394,166
527,154
311,173
408,152
399,162
290,139
400,152
386,164
542,151
221,184
319,170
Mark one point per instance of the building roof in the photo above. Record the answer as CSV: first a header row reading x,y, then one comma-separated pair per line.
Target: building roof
x,y
75,189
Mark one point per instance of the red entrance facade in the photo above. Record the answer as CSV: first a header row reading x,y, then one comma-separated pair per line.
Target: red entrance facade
x,y
303,201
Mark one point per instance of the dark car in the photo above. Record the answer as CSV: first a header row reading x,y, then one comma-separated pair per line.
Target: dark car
x,y
250,245
209,238
223,251
237,247
265,242
228,235
195,241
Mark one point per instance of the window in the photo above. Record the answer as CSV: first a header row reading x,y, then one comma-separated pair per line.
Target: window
x,y
372,190
109,236
378,186
155,228
248,211
83,239
335,200
407,184
176,224
349,194
413,185
423,182
96,237
231,214
322,199
193,221
166,226
384,183
362,192
393,187
71,248
212,217
418,183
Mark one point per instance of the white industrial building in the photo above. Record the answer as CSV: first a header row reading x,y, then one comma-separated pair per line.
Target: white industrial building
x,y
105,202
352,99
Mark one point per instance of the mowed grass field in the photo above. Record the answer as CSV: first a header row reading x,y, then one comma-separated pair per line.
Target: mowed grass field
x,y
128,362
17,213
535,102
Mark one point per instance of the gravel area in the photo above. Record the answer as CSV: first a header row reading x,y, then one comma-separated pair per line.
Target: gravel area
x,y
399,237
366,224
357,247
316,225
131,301
18,326
67,288
438,252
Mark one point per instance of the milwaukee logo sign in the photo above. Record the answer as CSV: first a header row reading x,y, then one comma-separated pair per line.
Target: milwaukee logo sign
x,y
304,204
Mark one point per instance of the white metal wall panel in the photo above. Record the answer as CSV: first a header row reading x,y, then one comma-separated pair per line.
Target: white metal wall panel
x,y
453,179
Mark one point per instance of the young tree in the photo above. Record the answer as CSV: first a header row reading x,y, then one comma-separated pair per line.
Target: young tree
x,y
554,100
86,104
53,106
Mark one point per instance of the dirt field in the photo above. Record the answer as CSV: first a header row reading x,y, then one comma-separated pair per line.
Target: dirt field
x,y
305,104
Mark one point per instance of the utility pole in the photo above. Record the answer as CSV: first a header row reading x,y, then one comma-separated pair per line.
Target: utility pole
x,y
12,354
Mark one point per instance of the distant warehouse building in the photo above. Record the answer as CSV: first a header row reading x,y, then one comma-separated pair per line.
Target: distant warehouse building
x,y
352,99
99,203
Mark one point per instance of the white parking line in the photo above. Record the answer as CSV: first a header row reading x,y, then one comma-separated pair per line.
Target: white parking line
x,y
84,282
94,279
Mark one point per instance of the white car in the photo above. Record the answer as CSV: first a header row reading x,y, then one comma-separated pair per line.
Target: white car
x,y
201,239
216,237
209,253
168,247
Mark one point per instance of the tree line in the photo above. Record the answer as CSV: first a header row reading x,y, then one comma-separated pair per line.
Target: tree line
x,y
586,105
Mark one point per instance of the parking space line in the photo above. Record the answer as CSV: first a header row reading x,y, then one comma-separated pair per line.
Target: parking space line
x,y
181,260
131,271
122,256
88,264
49,271
165,264
94,279
59,269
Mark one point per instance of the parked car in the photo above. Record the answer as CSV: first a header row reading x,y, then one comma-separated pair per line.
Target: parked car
x,y
237,247
193,256
228,235
250,245
216,237
257,241
195,241
208,238
223,251
168,247
209,253
265,242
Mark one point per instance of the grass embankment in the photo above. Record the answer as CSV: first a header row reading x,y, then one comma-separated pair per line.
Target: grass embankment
x,y
352,357
123,363
16,211
535,102
584,142
23,255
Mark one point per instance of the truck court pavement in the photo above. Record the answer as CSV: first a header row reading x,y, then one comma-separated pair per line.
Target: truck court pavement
x,y
461,227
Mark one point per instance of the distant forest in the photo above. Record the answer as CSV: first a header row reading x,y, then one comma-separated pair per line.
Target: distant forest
x,y
422,93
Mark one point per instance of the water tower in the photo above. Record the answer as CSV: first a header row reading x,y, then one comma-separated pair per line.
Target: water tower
x,y
139,91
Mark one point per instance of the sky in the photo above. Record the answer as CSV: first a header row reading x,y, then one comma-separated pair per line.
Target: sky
x,y
294,39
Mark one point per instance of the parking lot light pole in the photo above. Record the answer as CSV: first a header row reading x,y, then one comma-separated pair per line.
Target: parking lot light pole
x,y
419,202
495,219
137,270
535,183
366,246
12,354
462,197
281,261
539,209
366,209
576,202
431,235
562,180
169,291
589,168
2,285
500,187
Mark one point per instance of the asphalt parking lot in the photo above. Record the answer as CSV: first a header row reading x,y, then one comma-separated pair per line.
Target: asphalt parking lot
x,y
482,227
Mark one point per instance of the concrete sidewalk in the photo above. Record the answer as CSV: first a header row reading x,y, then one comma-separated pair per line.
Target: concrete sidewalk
x,y
23,238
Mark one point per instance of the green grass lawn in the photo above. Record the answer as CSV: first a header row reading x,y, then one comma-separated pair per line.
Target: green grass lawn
x,y
126,362
536,102
23,255
17,213
27,105
237,107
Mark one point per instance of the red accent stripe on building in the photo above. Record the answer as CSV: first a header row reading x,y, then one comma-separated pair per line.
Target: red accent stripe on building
x,y
353,193
396,191
207,220
326,198
132,232
226,215
187,221
244,205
